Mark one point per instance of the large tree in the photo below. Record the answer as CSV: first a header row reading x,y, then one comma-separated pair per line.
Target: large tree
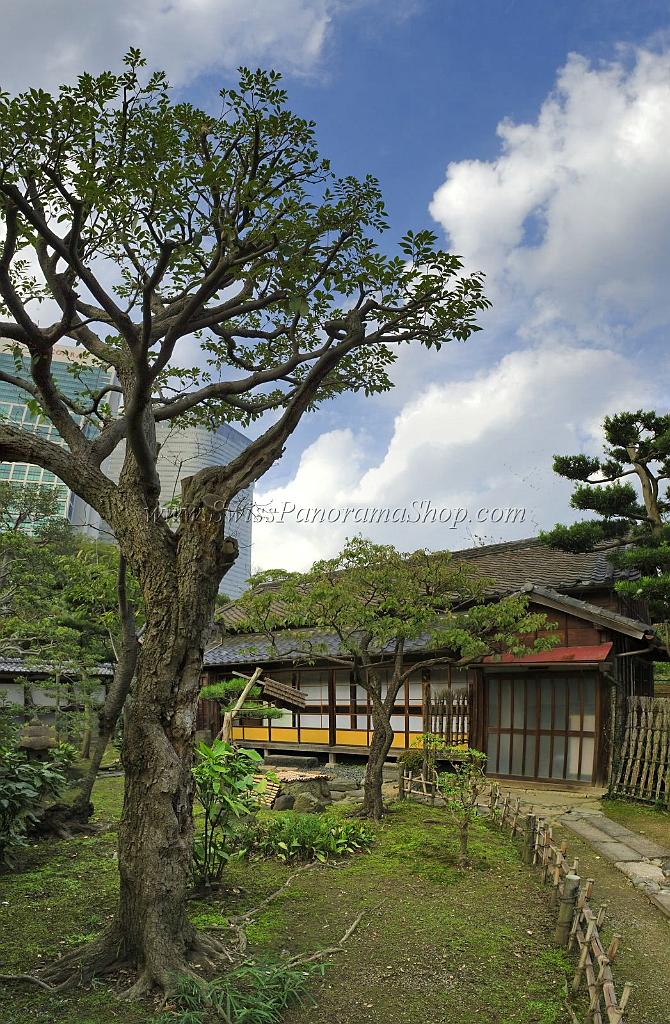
x,y
626,490
215,265
382,605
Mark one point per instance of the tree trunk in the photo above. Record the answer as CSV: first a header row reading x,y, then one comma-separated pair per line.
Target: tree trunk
x,y
107,719
156,829
382,738
463,859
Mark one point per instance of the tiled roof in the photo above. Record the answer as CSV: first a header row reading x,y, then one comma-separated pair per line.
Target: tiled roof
x,y
512,566
530,562
241,648
255,648
19,667
584,609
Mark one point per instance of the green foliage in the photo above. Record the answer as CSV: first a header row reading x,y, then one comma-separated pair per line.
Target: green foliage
x,y
217,202
425,751
624,490
26,506
460,788
374,596
256,992
226,791
226,692
24,785
10,723
290,836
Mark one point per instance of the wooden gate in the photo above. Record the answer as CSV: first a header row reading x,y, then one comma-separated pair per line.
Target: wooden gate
x,y
644,770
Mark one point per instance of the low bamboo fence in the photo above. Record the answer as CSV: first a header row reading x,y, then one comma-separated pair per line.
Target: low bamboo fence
x,y
578,925
644,769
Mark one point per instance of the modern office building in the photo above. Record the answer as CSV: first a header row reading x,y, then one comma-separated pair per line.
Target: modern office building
x,y
74,379
183,452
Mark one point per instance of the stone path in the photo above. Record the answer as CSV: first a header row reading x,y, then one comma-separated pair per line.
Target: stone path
x,y
645,862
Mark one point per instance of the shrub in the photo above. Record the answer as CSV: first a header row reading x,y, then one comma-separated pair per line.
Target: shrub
x,y
227,791
253,993
24,785
290,836
461,788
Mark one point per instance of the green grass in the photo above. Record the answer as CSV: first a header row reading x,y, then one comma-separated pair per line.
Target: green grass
x,y
647,820
434,944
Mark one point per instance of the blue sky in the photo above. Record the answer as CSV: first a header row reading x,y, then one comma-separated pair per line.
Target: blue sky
x,y
534,137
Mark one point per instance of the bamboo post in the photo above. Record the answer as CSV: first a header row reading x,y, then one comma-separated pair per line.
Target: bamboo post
x,y
401,780
566,909
616,1015
529,839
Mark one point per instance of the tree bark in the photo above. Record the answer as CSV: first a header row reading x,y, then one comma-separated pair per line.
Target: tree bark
x,y
382,738
179,578
124,671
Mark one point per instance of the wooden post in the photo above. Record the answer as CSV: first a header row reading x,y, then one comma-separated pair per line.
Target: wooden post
x,y
401,780
529,839
566,909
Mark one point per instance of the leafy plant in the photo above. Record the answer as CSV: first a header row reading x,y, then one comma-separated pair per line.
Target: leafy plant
x,y
254,993
227,791
24,785
291,836
460,788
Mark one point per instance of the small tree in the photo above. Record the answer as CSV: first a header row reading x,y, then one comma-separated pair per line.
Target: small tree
x,y
238,698
379,603
632,521
460,789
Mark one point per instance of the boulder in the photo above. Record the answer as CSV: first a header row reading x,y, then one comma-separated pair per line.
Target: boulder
x,y
305,803
316,785
284,802
291,761
342,785
336,795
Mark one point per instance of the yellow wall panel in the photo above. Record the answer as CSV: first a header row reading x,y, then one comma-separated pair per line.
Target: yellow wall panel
x,y
284,735
351,737
314,736
251,733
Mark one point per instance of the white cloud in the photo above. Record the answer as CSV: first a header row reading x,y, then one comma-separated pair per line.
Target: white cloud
x,y
572,220
46,43
572,224
481,443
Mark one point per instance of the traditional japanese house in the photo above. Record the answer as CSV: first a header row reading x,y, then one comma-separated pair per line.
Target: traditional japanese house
x,y
554,715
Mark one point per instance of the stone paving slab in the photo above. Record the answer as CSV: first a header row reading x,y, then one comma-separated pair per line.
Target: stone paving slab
x,y
616,852
661,900
612,828
647,848
630,852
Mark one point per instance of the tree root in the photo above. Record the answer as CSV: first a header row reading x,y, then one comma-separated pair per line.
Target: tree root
x,y
236,924
299,961
64,821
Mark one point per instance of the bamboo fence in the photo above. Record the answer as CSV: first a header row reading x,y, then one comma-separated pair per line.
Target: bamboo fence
x,y
644,770
578,925
449,716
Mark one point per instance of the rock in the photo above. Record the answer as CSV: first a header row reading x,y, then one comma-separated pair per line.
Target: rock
x,y
342,785
305,803
291,761
284,802
355,794
317,786
337,795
